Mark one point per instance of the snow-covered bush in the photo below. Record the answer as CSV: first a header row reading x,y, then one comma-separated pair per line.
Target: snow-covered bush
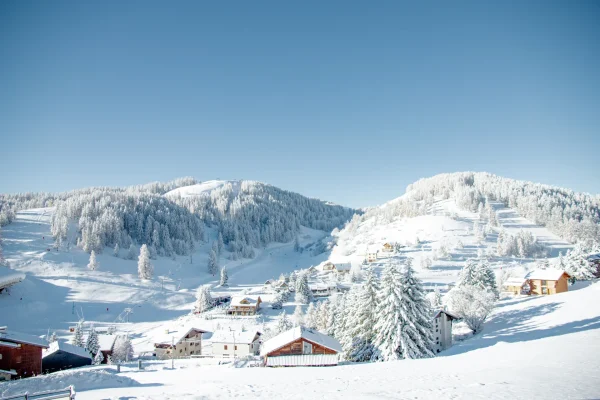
x,y
471,303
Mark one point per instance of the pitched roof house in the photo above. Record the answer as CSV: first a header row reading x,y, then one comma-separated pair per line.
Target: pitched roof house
x,y
20,354
235,343
548,281
244,305
62,355
178,344
301,346
442,329
516,285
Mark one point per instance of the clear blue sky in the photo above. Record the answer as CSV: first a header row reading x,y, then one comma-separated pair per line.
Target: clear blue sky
x,y
345,101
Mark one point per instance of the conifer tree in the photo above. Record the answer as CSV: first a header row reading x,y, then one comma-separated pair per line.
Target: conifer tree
x,y
303,292
361,328
296,244
52,338
283,323
578,265
310,318
92,345
77,339
132,252
116,250
122,349
224,277
403,327
220,244
145,267
213,263
93,264
98,358
204,301
277,303
298,316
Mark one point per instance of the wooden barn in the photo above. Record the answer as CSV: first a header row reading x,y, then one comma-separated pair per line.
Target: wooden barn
x,y
548,281
20,354
61,355
301,346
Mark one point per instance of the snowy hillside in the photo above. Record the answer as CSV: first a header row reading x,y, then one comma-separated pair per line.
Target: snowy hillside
x,y
202,189
527,344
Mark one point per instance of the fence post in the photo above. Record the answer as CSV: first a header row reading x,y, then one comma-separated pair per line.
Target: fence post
x,y
72,390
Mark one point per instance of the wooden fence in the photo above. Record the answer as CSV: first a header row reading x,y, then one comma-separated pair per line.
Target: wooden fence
x,y
66,393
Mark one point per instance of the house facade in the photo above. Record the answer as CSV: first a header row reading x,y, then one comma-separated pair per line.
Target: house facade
x,y
328,266
301,346
61,355
235,344
387,247
244,305
372,255
182,345
548,281
322,289
20,354
442,330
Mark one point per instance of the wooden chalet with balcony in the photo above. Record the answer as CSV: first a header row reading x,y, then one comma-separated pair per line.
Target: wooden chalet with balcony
x,y
301,346
244,305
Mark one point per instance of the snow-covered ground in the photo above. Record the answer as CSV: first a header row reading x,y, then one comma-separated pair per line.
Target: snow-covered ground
x,y
202,189
531,348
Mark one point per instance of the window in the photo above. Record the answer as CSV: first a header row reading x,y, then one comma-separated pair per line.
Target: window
x,y
18,359
235,347
180,351
306,348
437,330
225,347
544,283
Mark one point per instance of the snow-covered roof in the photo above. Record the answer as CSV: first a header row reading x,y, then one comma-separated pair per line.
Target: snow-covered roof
x,y
67,348
17,337
106,342
10,372
322,286
226,336
343,266
448,313
548,274
176,335
243,301
300,332
9,277
515,281
373,249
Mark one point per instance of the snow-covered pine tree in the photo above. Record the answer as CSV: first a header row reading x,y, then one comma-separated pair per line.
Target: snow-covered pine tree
x,y
298,316
2,259
53,338
132,252
355,273
220,243
471,303
322,315
224,277
360,348
296,244
204,301
578,265
277,302
303,292
98,358
283,323
122,349
487,277
403,327
145,267
213,263
292,280
93,264
92,345
310,318
116,250
111,330
77,339
435,299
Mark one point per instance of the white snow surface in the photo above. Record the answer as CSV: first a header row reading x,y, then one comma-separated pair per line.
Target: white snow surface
x,y
226,336
549,274
202,189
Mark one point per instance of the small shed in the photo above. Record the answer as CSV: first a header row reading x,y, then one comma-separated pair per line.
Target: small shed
x,y
235,343
62,355
548,281
301,346
442,329
20,354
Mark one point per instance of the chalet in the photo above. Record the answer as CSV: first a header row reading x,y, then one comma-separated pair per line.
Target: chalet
x,y
387,248
548,281
328,266
372,254
235,343
9,277
244,305
301,346
323,289
179,344
516,286
20,354
269,282
281,285
442,330
61,355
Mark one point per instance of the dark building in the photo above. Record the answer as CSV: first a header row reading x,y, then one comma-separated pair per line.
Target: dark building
x,y
64,356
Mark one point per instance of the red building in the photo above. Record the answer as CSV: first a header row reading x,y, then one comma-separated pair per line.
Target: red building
x,y
20,355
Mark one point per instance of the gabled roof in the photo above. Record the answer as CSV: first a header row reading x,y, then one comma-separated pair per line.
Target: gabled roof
x,y
322,286
17,337
106,342
10,372
448,313
515,281
246,337
548,274
67,348
244,301
177,335
296,333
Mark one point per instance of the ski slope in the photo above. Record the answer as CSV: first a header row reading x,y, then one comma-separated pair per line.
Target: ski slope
x,y
532,347
203,189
